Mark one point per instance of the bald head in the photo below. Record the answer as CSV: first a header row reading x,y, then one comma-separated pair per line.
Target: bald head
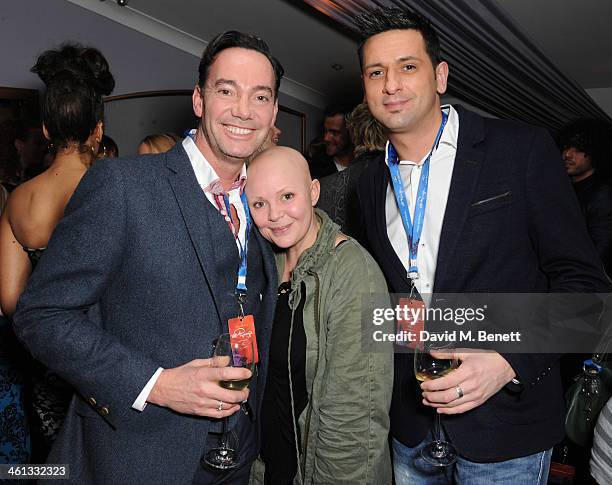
x,y
285,159
281,196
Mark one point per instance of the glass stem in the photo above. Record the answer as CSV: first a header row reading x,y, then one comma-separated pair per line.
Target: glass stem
x,y
224,438
437,427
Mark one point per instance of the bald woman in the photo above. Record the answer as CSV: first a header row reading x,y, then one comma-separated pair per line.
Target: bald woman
x,y
325,408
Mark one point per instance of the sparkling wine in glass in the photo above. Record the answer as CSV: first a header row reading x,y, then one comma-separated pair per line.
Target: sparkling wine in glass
x,y
439,452
233,354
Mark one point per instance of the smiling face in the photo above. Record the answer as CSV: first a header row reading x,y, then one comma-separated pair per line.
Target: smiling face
x,y
335,136
401,85
282,198
237,105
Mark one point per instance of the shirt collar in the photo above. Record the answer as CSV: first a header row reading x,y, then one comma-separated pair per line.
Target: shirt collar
x,y
451,130
208,179
449,135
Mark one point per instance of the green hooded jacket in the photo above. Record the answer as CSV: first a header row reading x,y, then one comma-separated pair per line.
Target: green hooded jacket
x,y
345,425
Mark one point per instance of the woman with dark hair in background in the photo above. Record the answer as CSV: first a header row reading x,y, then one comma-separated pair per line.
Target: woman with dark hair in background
x,y
76,77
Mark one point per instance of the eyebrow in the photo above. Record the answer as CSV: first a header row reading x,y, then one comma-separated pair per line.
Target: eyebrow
x,y
235,85
401,59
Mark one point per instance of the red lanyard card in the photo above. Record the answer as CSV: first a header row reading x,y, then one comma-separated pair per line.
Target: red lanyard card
x,y
411,321
242,331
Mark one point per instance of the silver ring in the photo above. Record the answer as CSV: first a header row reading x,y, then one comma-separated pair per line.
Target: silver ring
x,y
220,406
459,392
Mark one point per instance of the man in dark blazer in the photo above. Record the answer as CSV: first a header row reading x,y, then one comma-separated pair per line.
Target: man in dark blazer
x,y
499,217
140,277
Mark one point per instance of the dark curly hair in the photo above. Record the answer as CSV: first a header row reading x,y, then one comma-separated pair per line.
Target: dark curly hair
x,y
233,38
381,20
76,78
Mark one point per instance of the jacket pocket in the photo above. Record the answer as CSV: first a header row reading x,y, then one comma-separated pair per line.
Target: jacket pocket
x,y
490,203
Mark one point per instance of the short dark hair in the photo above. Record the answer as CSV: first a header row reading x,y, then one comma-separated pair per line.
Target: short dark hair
x,y
593,137
233,38
371,23
338,109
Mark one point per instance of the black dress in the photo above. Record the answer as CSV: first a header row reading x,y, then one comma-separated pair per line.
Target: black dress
x,y
279,451
50,396
14,435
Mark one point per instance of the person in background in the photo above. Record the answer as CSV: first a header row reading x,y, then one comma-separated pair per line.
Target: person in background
x,y
157,143
274,136
15,445
271,140
586,149
31,147
586,146
337,142
75,78
339,190
325,408
108,148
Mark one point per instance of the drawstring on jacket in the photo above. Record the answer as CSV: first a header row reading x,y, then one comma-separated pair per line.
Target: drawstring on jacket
x,y
308,260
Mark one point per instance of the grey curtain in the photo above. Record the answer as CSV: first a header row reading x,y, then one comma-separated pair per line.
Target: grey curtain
x,y
493,65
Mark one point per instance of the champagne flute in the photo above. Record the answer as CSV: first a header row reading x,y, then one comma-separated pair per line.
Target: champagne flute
x,y
240,353
439,452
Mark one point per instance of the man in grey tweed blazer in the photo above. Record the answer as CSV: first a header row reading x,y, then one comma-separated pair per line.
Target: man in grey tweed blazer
x,y
139,278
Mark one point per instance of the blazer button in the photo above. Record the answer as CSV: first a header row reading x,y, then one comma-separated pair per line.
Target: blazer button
x,y
104,411
92,401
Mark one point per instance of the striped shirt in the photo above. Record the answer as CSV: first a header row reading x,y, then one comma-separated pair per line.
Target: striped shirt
x,y
211,185
601,453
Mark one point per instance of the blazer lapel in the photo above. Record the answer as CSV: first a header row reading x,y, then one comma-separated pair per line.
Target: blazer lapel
x,y
270,272
266,317
203,221
381,182
468,162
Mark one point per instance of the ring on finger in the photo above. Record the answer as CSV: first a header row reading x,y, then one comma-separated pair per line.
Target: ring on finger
x,y
220,406
459,392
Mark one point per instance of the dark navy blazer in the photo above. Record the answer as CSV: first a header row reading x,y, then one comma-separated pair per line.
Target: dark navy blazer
x,y
512,225
139,274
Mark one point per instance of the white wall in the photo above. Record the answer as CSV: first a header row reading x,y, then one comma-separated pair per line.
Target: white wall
x,y
138,62
603,97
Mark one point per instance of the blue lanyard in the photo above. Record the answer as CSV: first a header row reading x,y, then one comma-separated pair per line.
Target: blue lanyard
x,y
241,287
413,231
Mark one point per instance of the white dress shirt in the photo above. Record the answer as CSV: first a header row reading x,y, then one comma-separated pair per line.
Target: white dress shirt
x,y
206,176
339,166
440,174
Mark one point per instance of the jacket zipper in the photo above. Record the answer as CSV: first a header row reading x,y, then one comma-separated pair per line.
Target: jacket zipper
x,y
317,331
